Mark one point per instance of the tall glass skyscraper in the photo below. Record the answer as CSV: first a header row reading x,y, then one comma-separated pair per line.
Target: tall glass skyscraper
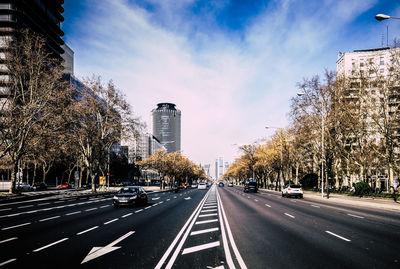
x,y
167,126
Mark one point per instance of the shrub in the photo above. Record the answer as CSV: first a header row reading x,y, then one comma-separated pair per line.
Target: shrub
x,y
362,188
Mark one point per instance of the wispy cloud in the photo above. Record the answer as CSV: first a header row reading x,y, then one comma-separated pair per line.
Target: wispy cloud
x,y
229,85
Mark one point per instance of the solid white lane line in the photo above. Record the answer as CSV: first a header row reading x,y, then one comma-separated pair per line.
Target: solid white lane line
x,y
186,227
338,236
108,222
267,205
231,240
88,230
289,215
200,247
355,216
127,215
49,245
90,209
208,215
73,213
140,210
55,217
15,226
315,206
204,231
7,262
25,206
209,210
104,206
8,240
206,221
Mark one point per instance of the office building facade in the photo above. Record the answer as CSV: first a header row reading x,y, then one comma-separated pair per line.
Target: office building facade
x,y
167,126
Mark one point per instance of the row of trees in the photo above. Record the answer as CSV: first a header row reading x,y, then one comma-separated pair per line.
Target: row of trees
x,y
173,167
48,118
344,127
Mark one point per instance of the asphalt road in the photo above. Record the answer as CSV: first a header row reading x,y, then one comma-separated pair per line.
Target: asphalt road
x,y
213,228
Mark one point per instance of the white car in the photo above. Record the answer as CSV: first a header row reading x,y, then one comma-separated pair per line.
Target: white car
x,y
230,184
292,190
202,186
194,186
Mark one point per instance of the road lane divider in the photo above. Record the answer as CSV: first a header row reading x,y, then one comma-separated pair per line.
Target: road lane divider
x,y
356,216
8,240
73,213
50,245
7,262
15,226
291,216
110,221
46,219
190,220
88,230
338,236
267,205
200,247
204,231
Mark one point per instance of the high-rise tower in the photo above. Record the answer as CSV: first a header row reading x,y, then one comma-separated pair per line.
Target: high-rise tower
x,y
167,126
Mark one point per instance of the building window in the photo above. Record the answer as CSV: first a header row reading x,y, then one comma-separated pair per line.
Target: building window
x,y
382,62
382,71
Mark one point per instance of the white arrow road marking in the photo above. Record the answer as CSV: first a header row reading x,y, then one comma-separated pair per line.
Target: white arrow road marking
x,y
188,198
99,251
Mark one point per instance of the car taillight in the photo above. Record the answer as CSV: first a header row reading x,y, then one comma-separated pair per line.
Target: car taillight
x,y
289,189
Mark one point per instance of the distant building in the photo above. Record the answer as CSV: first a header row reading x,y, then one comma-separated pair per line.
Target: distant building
x,y
142,147
167,126
68,57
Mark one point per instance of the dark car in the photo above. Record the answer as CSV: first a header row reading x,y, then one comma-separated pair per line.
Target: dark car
x,y
251,187
40,186
128,196
221,184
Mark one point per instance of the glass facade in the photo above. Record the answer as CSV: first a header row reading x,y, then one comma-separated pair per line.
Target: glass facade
x,y
167,126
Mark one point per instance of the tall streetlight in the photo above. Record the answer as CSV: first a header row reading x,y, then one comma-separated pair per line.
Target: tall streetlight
x,y
281,168
322,148
381,17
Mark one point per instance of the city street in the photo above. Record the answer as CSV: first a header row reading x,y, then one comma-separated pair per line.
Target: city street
x,y
221,227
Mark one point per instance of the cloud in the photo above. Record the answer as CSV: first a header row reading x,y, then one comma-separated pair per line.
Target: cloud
x,y
229,86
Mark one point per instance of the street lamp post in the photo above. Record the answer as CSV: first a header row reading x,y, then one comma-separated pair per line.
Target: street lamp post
x,y
381,17
322,148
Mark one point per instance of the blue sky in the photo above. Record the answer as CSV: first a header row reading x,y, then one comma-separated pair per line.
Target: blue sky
x,y
231,66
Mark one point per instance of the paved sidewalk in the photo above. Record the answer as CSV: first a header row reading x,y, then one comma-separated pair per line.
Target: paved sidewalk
x,y
371,202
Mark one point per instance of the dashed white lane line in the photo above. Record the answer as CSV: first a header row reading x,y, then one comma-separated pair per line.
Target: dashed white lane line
x,y
104,206
267,205
255,200
168,200
59,202
204,231
90,209
110,221
156,198
73,213
208,215
355,216
15,226
43,204
55,217
8,240
206,221
315,206
148,207
88,230
289,215
49,245
127,215
137,211
338,236
25,206
7,262
208,210
200,247
5,209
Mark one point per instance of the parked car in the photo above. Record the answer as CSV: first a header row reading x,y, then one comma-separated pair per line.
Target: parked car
x,y
230,184
251,186
202,186
40,186
292,190
221,184
194,186
127,196
25,187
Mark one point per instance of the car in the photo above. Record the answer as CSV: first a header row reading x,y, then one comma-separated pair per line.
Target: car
x,y
40,186
292,190
202,186
194,186
230,184
25,187
221,184
128,196
251,186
